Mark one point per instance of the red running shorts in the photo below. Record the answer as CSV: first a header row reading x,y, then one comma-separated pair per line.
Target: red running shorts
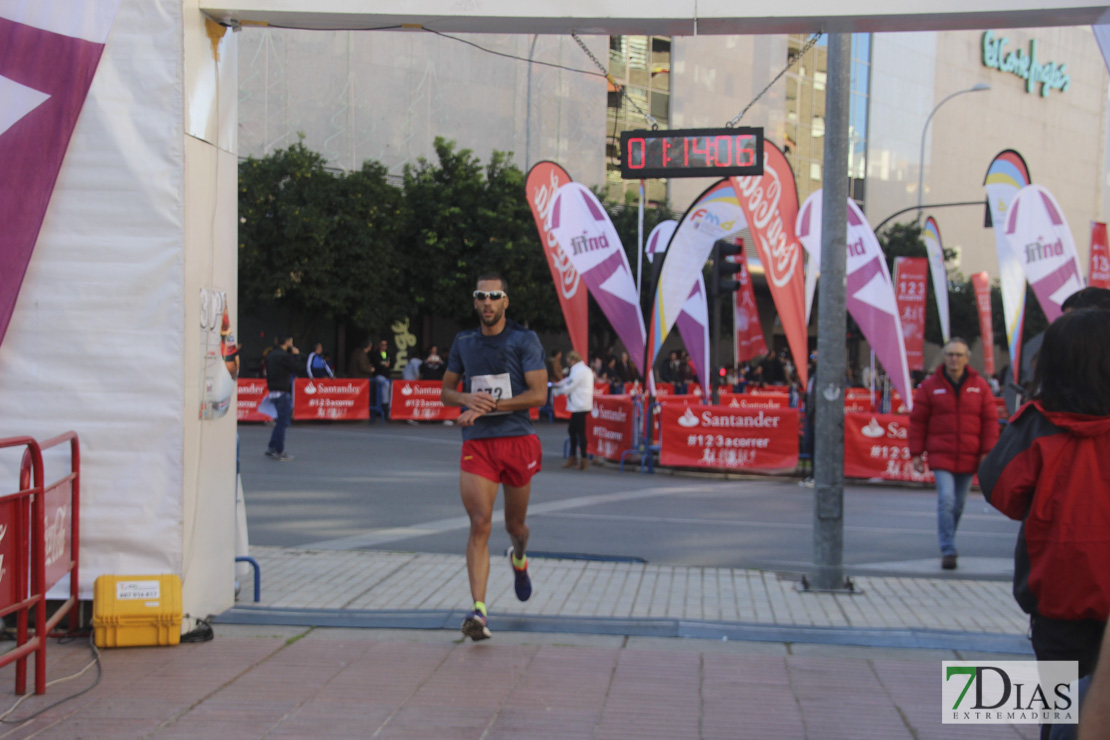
x,y
509,460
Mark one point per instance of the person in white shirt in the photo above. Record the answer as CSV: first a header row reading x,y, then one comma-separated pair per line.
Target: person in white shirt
x,y
579,389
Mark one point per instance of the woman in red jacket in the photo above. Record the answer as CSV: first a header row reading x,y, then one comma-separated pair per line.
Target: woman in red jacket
x,y
954,419
1051,470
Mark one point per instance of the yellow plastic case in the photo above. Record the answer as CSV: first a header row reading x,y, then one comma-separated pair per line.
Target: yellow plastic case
x,y
131,611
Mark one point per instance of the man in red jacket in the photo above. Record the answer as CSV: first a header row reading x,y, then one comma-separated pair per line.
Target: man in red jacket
x,y
954,419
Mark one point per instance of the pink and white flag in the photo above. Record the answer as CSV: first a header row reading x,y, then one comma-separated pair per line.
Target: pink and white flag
x,y
1040,237
659,237
49,52
544,180
1099,274
869,289
588,238
693,327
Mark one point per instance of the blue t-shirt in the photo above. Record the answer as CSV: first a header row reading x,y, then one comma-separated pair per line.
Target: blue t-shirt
x,y
497,364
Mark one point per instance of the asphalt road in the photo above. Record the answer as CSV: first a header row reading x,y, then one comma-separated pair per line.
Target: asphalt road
x,y
395,487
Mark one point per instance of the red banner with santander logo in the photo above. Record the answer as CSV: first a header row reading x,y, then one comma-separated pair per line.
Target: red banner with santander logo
x,y
252,391
729,438
609,426
327,399
877,446
755,400
419,400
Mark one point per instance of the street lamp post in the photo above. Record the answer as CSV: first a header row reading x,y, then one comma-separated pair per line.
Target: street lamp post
x,y
982,86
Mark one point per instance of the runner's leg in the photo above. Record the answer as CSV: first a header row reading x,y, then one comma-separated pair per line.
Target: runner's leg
x,y
478,496
516,510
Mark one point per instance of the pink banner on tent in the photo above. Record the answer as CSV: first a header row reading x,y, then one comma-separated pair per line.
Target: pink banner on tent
x,y
981,281
1099,274
544,180
1038,233
747,331
44,78
910,285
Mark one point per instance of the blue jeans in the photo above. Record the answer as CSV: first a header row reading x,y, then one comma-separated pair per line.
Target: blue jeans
x,y
381,385
284,406
952,491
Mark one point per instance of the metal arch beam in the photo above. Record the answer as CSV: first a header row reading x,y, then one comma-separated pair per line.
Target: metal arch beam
x,y
662,17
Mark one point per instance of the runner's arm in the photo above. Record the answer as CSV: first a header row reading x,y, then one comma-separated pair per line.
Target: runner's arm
x,y
480,402
535,396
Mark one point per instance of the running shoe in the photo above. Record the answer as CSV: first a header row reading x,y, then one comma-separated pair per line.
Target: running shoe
x,y
522,583
474,626
275,455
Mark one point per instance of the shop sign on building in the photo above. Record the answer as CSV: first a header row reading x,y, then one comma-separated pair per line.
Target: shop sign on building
x,y
1024,64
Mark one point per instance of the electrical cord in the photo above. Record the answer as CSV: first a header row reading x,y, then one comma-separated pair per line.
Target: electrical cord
x,y
511,56
99,673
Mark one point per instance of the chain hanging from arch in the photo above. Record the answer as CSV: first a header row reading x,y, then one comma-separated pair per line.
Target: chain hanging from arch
x,y
654,123
808,45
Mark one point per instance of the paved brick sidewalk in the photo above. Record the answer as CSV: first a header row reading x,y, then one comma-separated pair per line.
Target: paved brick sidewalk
x,y
366,580
260,682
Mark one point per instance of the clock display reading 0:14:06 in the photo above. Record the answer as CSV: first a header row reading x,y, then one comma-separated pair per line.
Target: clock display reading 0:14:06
x,y
706,152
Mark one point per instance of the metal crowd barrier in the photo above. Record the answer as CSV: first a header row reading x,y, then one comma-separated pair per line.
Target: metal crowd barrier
x,y
39,540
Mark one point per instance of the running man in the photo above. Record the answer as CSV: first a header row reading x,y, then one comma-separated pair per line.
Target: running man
x,y
502,366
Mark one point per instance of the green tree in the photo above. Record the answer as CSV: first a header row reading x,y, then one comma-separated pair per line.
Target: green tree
x,y
463,220
318,245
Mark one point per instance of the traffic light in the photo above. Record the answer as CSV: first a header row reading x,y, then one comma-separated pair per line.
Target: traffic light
x,y
724,269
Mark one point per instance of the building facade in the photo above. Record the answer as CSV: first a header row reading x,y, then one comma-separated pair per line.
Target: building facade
x,y
387,95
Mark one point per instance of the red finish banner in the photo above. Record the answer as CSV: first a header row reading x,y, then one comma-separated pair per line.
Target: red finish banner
x,y
609,430
419,400
982,283
544,180
1098,276
755,400
339,399
748,340
252,391
877,446
727,438
910,283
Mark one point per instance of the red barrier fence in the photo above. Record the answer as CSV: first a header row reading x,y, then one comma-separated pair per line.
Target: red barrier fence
x,y
609,430
39,540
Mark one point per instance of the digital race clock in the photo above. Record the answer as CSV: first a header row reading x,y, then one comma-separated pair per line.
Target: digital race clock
x,y
699,152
